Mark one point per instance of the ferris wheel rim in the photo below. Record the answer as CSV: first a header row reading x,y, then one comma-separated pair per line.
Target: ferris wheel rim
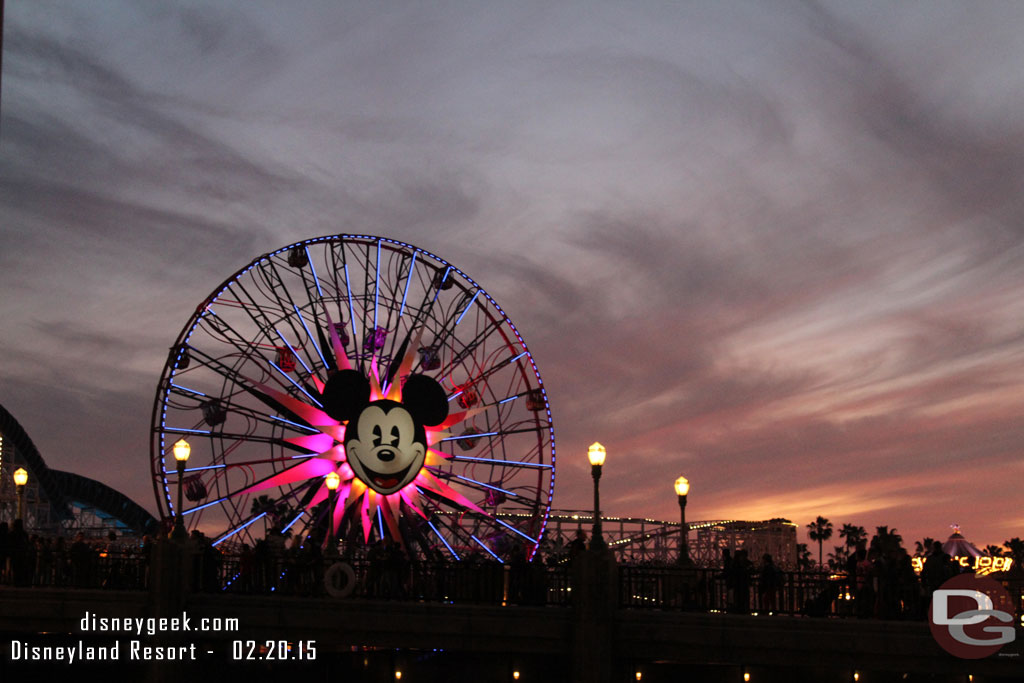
x,y
160,428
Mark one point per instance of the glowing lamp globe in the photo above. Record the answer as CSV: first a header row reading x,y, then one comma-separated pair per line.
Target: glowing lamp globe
x,y
596,454
332,480
682,486
20,476
182,450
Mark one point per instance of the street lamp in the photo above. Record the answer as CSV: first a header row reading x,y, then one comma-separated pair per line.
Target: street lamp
x,y
596,454
181,452
682,489
20,479
332,481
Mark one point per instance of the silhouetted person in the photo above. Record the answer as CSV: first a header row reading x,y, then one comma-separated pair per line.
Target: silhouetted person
x,y
907,586
729,579
742,568
865,593
18,545
578,545
768,584
5,553
937,569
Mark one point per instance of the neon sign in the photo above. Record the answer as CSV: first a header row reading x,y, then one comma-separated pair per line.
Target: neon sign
x,y
981,565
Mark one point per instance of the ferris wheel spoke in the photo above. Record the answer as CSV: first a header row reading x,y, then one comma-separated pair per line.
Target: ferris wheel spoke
x,y
502,463
253,438
253,388
451,319
443,540
468,481
408,281
486,547
471,347
286,307
328,364
261,321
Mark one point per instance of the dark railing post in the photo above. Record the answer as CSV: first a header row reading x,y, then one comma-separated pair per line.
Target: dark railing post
x,y
595,592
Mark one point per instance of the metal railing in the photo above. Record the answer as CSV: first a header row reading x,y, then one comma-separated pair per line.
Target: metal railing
x,y
711,590
662,587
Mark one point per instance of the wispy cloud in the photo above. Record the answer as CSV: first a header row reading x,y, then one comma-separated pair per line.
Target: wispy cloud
x,y
776,249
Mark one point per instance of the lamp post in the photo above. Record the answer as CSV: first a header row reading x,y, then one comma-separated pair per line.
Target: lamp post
x,y
20,479
682,489
332,481
181,452
596,454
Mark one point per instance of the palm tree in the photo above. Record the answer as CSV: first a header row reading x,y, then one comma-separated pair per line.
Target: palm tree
x,y
837,559
819,530
994,551
853,534
1016,548
924,546
274,510
886,541
803,556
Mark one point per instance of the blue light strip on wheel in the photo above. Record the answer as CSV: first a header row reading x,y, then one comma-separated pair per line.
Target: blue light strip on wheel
x,y
315,278
482,545
513,463
351,310
513,360
512,528
208,467
292,523
455,395
439,285
182,430
510,398
376,295
469,436
311,340
285,342
204,505
459,476
454,554
191,391
232,533
285,375
294,424
380,523
408,279
468,306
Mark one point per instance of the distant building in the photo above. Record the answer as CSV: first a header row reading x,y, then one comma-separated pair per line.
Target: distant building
x,y
968,556
57,502
777,537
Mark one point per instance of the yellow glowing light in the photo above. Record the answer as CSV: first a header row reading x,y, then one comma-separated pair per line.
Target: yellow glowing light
x,y
20,476
639,675
856,676
596,454
182,450
682,486
398,675
515,675
332,480
981,565
746,676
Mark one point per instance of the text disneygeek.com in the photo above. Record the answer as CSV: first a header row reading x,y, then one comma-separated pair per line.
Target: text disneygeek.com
x,y
139,650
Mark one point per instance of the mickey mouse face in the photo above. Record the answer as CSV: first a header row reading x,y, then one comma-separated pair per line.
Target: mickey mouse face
x,y
383,448
385,441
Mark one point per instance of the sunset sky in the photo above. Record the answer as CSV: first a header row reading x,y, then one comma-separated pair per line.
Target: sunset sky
x,y
777,247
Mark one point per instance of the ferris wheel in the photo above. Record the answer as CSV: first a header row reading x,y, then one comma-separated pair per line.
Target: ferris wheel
x,y
251,384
